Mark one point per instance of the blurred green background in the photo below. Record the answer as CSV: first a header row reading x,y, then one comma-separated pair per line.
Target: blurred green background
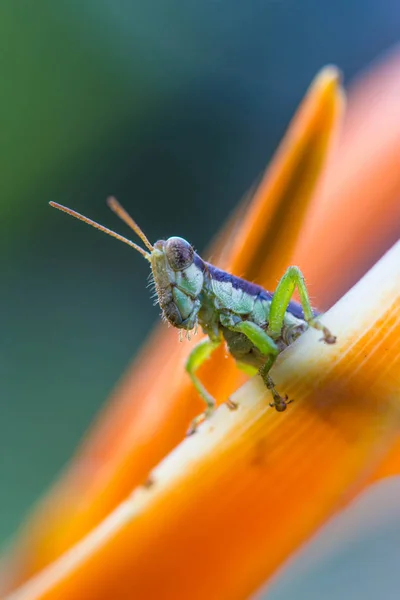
x,y
175,107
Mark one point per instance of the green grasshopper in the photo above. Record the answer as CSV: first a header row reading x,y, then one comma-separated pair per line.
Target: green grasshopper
x,y
256,325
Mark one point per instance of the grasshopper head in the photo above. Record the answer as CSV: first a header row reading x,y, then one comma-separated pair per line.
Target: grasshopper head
x,y
177,270
178,279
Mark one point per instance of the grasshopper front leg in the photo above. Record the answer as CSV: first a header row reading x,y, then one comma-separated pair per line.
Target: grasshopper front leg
x,y
201,352
292,279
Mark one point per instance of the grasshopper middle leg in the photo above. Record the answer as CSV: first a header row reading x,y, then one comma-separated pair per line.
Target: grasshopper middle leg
x,y
267,346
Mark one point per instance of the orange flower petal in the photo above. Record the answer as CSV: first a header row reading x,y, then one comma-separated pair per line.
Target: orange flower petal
x,y
132,436
273,222
357,212
230,504
390,464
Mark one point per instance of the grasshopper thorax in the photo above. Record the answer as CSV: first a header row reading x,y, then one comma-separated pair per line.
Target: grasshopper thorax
x,y
178,279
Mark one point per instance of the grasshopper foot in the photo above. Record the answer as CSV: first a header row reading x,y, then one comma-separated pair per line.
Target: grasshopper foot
x,y
198,420
231,404
280,402
328,337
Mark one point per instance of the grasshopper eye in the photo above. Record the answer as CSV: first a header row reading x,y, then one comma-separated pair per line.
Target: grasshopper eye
x,y
179,252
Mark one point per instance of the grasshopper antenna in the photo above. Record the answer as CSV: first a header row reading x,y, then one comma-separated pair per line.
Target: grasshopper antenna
x,y
123,215
77,215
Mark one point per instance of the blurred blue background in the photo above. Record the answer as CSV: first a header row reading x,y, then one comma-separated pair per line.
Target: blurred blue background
x,y
354,555
174,107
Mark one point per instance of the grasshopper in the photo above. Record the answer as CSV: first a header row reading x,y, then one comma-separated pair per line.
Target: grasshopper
x,y
256,324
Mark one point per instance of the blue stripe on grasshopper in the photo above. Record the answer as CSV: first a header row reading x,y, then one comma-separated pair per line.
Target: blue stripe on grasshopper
x,y
252,289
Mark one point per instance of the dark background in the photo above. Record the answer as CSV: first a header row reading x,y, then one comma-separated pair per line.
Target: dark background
x,y
173,106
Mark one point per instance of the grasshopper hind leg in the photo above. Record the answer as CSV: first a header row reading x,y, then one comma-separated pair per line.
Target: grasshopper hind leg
x,y
293,279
